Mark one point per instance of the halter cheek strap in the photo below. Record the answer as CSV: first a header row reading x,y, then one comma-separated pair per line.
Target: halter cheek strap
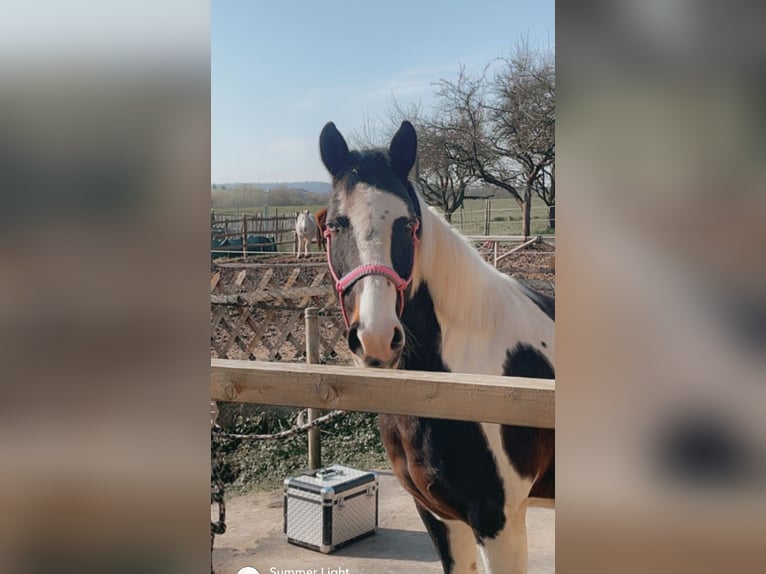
x,y
344,283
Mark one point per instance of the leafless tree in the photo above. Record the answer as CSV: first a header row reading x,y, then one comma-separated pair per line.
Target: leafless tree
x,y
545,188
442,180
369,135
441,177
501,127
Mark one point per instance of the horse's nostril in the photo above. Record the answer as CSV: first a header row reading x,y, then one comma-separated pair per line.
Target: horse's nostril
x,y
354,344
398,341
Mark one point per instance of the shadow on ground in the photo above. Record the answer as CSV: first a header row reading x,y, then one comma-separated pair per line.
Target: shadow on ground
x,y
393,544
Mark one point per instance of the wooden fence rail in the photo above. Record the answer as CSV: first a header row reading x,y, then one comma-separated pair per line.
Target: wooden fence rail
x,y
493,399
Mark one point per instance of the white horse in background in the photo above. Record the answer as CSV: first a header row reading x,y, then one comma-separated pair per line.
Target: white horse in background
x,y
305,231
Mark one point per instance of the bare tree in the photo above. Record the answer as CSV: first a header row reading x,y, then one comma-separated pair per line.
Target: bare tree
x,y
502,128
442,180
441,177
369,135
545,188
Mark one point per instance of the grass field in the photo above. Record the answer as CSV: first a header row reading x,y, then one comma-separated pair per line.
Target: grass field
x,y
505,216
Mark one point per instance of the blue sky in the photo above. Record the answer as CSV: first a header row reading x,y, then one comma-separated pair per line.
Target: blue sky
x,y
281,69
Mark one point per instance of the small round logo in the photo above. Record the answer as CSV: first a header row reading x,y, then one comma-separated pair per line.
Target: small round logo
x,y
248,570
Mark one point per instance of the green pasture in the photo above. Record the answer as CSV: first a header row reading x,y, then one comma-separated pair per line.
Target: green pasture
x,y
504,219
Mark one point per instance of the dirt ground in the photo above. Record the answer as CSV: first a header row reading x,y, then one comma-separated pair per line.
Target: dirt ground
x,y
254,538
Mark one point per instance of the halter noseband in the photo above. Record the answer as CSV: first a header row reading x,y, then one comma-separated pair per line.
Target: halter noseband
x,y
344,283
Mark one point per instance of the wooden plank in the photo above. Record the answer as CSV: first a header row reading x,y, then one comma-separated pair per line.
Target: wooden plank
x,y
220,321
214,280
527,270
532,241
287,286
264,265
258,336
504,238
235,332
264,280
312,358
509,400
285,329
240,278
339,331
293,276
276,294
319,278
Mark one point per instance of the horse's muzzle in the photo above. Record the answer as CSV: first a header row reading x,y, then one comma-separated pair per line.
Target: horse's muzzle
x,y
375,349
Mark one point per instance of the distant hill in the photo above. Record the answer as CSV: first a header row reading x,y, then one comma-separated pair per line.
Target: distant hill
x,y
248,195
318,187
314,188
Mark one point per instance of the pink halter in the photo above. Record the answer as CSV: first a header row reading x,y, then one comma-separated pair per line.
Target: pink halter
x,y
344,283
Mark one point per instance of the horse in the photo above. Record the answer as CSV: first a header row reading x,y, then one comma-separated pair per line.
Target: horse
x,y
305,230
416,296
321,218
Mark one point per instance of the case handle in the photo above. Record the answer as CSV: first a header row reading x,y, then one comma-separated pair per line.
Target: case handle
x,y
325,473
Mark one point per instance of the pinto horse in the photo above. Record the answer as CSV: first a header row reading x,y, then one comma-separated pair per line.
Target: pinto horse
x,y
321,218
415,295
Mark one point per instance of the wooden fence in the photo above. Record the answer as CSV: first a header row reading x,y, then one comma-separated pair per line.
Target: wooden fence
x,y
257,309
279,227
257,312
485,398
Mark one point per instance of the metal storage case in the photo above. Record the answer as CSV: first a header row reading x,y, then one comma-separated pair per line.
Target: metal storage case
x,y
330,507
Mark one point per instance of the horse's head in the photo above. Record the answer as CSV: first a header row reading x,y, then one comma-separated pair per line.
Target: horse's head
x,y
372,231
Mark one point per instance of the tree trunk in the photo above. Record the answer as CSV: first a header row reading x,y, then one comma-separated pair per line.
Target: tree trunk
x,y
552,216
448,216
525,216
526,209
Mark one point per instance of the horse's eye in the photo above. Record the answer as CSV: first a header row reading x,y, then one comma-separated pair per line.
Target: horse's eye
x,y
337,224
410,226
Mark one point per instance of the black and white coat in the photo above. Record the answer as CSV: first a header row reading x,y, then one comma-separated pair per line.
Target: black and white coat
x,y
472,482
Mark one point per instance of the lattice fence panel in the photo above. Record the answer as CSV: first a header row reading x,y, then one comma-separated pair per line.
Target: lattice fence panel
x,y
257,308
257,313
274,334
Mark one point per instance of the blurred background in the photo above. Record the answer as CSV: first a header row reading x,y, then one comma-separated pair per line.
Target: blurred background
x,y
661,287
104,155
104,301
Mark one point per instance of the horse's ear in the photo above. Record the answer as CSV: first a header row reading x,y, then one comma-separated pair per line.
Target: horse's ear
x,y
333,149
403,149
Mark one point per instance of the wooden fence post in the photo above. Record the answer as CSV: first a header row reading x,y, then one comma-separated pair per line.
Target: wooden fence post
x,y
295,250
487,214
312,357
244,235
